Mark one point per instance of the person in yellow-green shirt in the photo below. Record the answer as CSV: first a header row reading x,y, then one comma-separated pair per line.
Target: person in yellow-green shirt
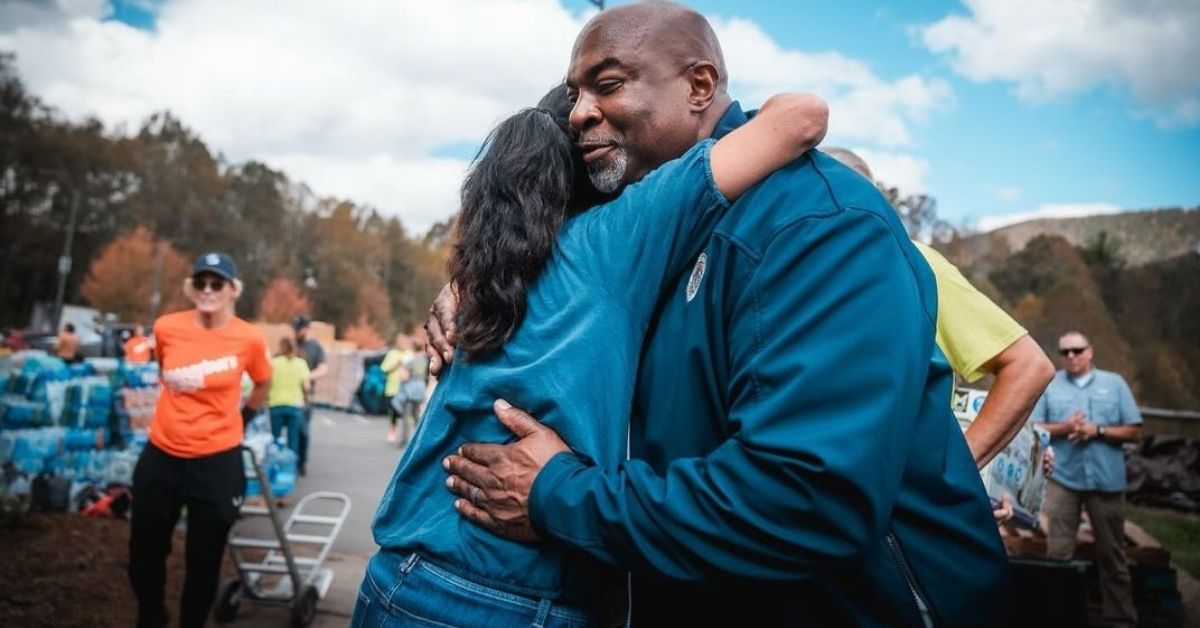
x,y
395,365
978,338
289,380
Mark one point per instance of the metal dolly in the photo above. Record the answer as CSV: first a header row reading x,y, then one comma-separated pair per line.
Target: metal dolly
x,y
299,581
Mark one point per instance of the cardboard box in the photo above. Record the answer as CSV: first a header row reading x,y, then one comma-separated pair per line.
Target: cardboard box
x,y
322,332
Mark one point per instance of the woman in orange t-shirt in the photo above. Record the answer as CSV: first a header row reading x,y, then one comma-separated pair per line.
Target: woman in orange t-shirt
x,y
194,458
138,348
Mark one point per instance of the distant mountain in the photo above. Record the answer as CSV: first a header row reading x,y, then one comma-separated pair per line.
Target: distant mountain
x,y
1136,297
1142,236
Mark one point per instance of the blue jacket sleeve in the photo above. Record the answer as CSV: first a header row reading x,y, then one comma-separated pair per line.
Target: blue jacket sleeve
x,y
830,346
638,241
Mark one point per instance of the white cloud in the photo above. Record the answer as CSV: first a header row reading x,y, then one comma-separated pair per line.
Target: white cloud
x,y
421,188
1055,48
1048,210
898,170
863,106
356,99
352,100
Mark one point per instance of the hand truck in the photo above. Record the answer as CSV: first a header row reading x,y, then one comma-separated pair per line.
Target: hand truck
x,y
299,582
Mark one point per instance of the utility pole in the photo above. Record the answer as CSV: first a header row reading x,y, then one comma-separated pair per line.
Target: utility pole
x,y
64,261
155,292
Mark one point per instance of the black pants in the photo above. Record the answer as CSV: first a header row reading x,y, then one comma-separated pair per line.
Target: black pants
x,y
212,488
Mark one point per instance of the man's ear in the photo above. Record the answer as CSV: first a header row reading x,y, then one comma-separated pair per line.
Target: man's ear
x,y
703,78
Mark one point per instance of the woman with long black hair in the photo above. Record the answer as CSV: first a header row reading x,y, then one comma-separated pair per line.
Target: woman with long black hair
x,y
554,303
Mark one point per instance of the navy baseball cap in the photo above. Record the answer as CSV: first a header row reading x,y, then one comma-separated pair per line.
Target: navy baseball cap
x,y
217,263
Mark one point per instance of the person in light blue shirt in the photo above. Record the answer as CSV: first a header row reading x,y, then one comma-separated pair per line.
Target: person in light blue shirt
x,y
1089,414
554,310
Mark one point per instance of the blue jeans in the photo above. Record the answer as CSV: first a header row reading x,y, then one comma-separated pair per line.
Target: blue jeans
x,y
292,418
402,589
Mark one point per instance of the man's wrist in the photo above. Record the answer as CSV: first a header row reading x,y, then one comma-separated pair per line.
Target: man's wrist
x,y
1101,432
541,493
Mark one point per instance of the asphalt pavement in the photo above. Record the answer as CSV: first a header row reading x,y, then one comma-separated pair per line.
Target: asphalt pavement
x,y
349,454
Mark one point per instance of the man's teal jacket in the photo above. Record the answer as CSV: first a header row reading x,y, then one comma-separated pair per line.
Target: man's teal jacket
x,y
794,459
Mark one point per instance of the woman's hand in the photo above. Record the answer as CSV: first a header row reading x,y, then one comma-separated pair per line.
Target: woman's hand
x,y
1004,511
440,329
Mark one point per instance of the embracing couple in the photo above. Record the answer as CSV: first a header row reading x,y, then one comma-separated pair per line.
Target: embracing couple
x,y
727,341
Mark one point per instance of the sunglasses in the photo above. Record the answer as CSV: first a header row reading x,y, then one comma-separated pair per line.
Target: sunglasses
x,y
1072,351
217,284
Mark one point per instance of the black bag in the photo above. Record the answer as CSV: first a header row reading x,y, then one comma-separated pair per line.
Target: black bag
x,y
50,493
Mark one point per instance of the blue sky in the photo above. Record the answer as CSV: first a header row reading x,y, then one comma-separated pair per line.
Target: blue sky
x,y
998,108
1084,148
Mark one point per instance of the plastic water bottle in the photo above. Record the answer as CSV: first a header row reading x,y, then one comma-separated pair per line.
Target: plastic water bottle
x,y
253,486
98,463
26,455
120,467
20,487
7,441
282,464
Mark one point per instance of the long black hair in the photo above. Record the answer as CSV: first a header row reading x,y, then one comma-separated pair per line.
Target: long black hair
x,y
524,182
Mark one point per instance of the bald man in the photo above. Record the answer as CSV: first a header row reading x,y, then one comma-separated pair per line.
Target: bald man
x,y
793,457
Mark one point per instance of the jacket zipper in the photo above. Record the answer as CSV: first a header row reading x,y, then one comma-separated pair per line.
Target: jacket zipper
x,y
628,575
922,606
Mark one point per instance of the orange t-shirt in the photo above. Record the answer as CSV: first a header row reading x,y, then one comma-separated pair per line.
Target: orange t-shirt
x,y
137,349
198,412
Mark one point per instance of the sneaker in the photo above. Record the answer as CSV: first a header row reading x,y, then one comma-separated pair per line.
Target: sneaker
x,y
391,437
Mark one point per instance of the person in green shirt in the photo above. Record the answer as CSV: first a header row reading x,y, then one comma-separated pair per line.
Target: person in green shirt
x,y
289,380
395,365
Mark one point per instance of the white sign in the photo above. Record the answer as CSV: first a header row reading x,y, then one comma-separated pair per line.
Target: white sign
x,y
1017,469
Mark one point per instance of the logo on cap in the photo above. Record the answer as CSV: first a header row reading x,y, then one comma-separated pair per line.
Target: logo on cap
x,y
211,259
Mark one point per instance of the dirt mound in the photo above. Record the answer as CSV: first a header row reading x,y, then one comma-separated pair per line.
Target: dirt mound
x,y
63,570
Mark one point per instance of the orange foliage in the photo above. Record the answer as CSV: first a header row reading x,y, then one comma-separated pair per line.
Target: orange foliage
x,y
121,278
282,301
373,313
373,305
363,334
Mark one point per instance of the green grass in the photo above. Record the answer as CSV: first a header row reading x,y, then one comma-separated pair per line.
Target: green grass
x,y
1178,532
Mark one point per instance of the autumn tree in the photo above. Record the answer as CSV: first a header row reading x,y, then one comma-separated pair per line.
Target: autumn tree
x,y
121,279
258,228
1103,250
163,176
373,305
919,214
51,168
282,301
364,335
